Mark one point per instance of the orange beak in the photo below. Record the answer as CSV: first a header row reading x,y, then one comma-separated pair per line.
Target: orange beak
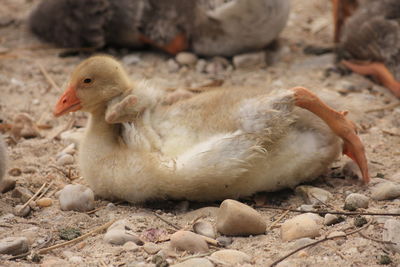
x,y
68,102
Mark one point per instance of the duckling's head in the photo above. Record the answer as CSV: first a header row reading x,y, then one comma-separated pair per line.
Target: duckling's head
x,y
93,83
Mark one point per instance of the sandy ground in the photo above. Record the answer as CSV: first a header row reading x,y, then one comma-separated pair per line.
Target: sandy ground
x,y
24,88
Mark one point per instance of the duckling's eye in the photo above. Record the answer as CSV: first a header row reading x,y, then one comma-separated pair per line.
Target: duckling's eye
x,y
87,80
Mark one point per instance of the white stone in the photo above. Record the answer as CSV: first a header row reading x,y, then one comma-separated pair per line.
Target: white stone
x,y
151,248
330,219
300,226
231,257
118,234
130,246
172,65
250,60
76,197
392,234
195,262
188,241
250,222
385,191
186,58
65,159
204,228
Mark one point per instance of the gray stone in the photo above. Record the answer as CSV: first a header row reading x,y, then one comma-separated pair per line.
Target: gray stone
x,y
331,219
235,218
65,159
195,262
301,242
306,207
188,241
118,234
130,246
392,234
151,248
14,245
22,212
250,60
22,193
201,65
224,241
313,195
300,226
172,65
385,191
186,58
76,197
204,228
231,257
356,201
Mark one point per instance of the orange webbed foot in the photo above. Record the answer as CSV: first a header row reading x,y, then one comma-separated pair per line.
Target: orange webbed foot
x,y
377,70
339,124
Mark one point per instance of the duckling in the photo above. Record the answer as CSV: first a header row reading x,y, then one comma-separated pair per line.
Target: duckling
x,y
207,27
223,143
3,159
368,33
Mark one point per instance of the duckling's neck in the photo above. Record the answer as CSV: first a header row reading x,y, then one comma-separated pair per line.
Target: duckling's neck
x,y
99,129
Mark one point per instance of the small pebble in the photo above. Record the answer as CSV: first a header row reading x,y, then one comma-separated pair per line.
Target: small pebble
x,y
306,207
231,257
201,65
70,149
14,245
130,246
65,159
331,219
76,197
301,242
300,226
7,184
118,234
313,195
22,193
44,202
22,212
250,60
131,59
355,201
224,241
172,65
385,191
250,223
195,262
186,58
188,241
392,233
69,233
151,248
204,228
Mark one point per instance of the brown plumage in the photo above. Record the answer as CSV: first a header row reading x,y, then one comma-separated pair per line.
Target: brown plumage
x,y
207,27
372,35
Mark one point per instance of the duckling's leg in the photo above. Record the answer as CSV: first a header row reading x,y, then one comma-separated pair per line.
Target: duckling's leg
x,y
377,70
338,123
342,9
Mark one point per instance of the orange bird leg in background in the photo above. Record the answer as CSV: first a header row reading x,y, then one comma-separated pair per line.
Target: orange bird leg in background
x,y
178,44
338,123
377,70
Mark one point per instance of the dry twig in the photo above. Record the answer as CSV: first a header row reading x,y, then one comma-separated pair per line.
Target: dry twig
x,y
277,220
98,229
48,77
176,227
33,197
